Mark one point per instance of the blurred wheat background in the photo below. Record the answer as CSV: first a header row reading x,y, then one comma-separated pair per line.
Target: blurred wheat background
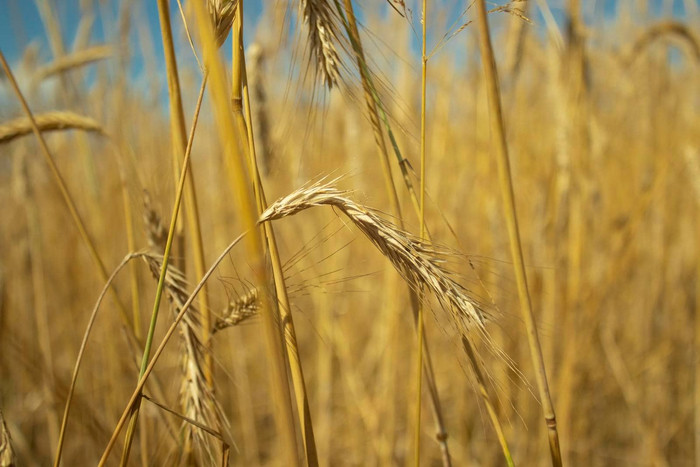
x,y
601,111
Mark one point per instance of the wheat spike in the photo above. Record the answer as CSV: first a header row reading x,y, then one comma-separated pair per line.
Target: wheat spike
x,y
196,398
156,233
198,402
74,60
420,263
318,17
48,121
222,14
239,310
7,453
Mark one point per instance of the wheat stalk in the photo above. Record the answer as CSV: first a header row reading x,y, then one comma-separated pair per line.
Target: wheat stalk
x,y
506,182
419,262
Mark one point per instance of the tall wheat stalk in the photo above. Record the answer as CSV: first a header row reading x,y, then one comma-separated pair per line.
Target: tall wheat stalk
x,y
179,141
575,143
179,138
423,105
240,84
163,273
501,148
373,103
238,167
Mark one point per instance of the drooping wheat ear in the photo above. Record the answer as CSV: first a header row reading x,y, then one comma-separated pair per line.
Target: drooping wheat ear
x,y
49,121
261,120
420,263
7,453
665,29
156,233
319,19
238,310
74,60
222,13
198,401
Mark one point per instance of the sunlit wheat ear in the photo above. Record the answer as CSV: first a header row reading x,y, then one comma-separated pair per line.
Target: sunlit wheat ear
x,y
48,121
259,106
420,263
239,310
197,400
156,233
222,13
7,453
319,19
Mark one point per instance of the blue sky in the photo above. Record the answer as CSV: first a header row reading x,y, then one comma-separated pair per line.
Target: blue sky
x,y
20,22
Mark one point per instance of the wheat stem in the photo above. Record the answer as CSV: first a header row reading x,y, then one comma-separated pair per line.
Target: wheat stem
x,y
81,354
237,166
423,102
374,106
284,307
163,271
180,139
506,182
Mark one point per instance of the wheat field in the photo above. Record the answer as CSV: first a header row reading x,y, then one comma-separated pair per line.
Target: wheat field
x,y
350,233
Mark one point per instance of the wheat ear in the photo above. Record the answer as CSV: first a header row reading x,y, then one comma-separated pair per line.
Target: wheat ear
x,y
318,17
419,262
7,453
48,121
197,400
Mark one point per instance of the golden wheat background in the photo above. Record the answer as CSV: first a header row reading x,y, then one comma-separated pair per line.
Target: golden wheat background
x,y
602,122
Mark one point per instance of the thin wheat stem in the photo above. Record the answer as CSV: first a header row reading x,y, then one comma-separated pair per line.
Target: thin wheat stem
x,y
481,382
423,101
163,271
374,105
238,169
180,140
506,182
284,310
81,353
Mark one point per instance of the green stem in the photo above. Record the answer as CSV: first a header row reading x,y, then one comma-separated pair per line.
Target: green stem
x,y
163,270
